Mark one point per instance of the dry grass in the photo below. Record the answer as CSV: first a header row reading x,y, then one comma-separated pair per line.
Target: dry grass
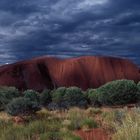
x,y
121,124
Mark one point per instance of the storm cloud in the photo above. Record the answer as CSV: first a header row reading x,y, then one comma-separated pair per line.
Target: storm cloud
x,y
69,28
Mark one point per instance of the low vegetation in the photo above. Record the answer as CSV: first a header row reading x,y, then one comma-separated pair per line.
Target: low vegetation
x,y
120,92
32,95
129,128
56,114
22,106
6,96
115,93
49,127
119,124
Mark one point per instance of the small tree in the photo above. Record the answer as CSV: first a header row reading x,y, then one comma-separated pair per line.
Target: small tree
x,y
31,95
45,97
22,106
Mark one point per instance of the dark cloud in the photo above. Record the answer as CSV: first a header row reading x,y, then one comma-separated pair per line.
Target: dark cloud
x,y
69,28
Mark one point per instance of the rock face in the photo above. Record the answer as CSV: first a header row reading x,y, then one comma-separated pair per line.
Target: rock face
x,y
84,72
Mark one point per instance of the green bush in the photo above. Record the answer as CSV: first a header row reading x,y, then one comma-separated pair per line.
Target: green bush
x,y
118,92
6,95
31,95
74,96
93,97
22,106
58,94
68,97
45,97
138,86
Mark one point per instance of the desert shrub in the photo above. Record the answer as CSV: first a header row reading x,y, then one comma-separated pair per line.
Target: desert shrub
x,y
93,95
31,95
58,94
45,97
118,92
138,85
22,106
69,97
6,95
75,97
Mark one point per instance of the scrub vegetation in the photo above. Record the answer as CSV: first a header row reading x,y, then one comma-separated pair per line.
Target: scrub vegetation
x,y
57,114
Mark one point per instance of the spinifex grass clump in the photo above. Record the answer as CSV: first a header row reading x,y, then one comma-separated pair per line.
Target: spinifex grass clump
x,y
77,119
89,123
130,127
75,116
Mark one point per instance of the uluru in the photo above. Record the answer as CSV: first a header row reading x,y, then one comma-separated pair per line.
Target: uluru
x,y
84,72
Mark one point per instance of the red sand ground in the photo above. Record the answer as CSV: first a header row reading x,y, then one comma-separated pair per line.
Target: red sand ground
x,y
84,72
94,134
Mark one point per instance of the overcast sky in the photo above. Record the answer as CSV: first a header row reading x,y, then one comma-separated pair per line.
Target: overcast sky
x,y
67,28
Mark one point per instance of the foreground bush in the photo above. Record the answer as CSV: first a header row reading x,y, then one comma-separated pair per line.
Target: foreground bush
x,y
69,97
58,95
118,92
138,85
22,106
93,97
6,95
45,97
75,97
31,95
